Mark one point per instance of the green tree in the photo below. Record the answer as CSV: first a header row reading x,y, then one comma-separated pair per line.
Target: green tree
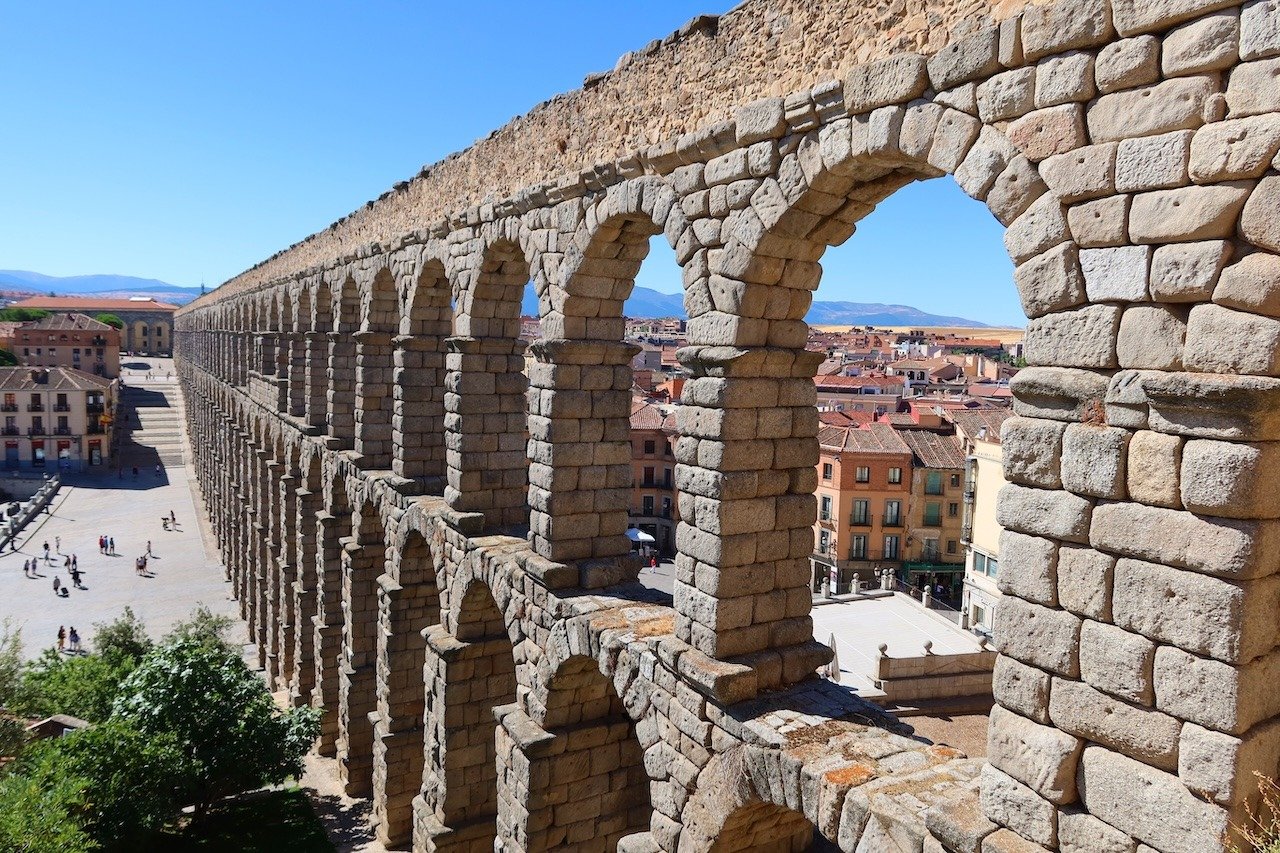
x,y
110,320
40,818
84,687
8,359
12,731
22,315
204,627
222,716
126,637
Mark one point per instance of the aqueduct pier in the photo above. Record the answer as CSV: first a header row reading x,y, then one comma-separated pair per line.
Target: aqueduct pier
x,y
435,553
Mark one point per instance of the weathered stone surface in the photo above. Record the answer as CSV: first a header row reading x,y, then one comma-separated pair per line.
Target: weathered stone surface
x,y
1252,284
1205,615
1087,172
1057,393
1252,88
1051,281
1011,803
1149,736
1080,337
958,822
1049,131
1220,340
1032,451
1029,567
1100,223
1007,95
1079,832
763,119
1118,274
1039,636
1117,662
1126,405
1153,162
1259,29
1220,766
1127,64
1230,150
894,80
1155,465
1205,44
1040,512
1041,227
1064,79
1172,105
1258,222
1187,272
1213,405
1144,16
1084,581
1189,213
965,59
1093,460
1059,27
1021,688
1230,479
1216,546
1151,337
1042,758
1216,695
1150,804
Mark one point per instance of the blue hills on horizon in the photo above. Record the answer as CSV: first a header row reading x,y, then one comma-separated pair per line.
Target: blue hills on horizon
x,y
644,302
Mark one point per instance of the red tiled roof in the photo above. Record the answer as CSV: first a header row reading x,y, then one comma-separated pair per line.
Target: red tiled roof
x,y
871,438
972,421
932,450
82,304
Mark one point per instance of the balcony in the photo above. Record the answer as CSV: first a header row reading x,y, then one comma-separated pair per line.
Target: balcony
x,y
62,407
62,430
8,407
12,430
860,521
35,407
36,430
892,521
95,429
94,408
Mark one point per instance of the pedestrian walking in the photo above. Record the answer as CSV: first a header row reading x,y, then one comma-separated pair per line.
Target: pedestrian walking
x,y
62,636
74,636
173,519
111,545
149,554
75,579
75,564
46,553
66,563
57,585
57,544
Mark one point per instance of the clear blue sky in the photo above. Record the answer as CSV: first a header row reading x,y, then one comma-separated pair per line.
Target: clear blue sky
x,y
187,141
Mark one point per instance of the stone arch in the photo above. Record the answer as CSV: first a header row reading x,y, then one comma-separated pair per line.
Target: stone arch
x,y
363,561
733,809
380,321
419,423
298,348
319,321
486,451
408,604
333,533
342,361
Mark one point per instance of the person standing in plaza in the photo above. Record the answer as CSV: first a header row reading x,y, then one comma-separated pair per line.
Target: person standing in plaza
x,y
57,544
62,636
74,636
57,586
46,553
111,545
75,564
149,554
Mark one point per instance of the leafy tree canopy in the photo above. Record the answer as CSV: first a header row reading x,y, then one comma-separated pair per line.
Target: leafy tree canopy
x,y
22,315
110,320
8,359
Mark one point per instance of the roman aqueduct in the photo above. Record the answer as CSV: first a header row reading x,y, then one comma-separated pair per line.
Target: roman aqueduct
x,y
436,554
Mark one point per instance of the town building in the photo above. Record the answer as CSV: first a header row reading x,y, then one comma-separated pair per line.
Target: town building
x,y
874,394
979,434
652,508
55,418
934,555
864,485
76,341
148,323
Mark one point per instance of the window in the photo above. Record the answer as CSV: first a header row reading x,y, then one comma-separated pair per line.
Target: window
x,y
933,483
895,475
75,352
666,447
891,547
825,512
826,470
648,505
650,447
824,541
648,475
666,507
979,616
858,550
931,553
992,567
953,509
862,475
979,563
893,513
861,512
666,478
932,514
951,546
955,481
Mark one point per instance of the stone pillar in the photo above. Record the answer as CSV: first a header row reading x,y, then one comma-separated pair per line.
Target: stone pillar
x,y
746,472
342,388
297,374
327,629
373,399
403,614
362,562
417,425
580,449
485,429
286,583
316,396
309,505
264,348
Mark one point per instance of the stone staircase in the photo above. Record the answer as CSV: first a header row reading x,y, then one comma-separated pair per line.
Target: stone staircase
x,y
149,418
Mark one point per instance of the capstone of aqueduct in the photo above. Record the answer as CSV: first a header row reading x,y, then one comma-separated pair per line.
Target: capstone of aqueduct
x,y
435,553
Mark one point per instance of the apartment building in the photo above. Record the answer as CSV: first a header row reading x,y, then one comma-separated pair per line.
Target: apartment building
x,y
934,555
76,341
652,508
55,418
979,434
148,323
864,486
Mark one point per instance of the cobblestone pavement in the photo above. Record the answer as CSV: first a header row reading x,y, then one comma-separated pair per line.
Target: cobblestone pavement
x,y
183,570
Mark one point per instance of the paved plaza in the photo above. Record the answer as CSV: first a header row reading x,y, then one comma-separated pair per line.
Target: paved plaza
x,y
184,569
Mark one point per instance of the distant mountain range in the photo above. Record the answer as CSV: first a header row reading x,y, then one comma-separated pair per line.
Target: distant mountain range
x,y
645,302
106,286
